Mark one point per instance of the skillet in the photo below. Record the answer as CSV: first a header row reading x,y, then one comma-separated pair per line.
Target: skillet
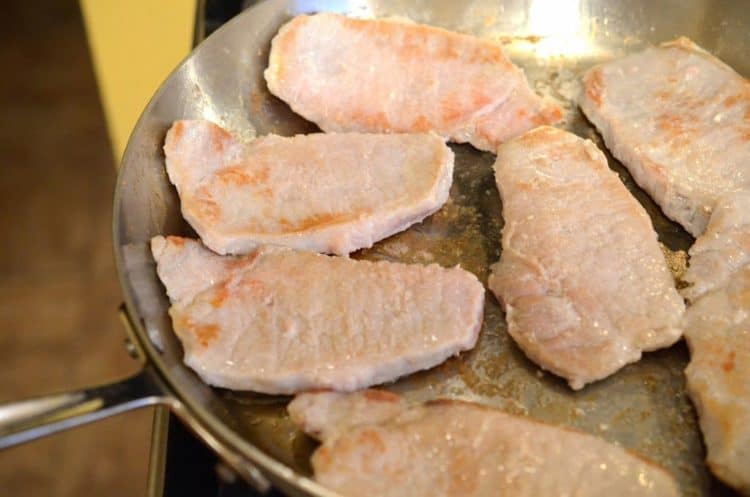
x,y
643,407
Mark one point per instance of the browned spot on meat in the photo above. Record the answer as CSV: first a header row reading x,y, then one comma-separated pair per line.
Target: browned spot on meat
x,y
669,122
240,175
284,44
380,396
209,210
451,110
317,221
176,240
372,121
204,204
728,365
489,54
371,439
676,127
205,333
663,94
220,296
447,50
219,137
422,124
233,264
185,327
178,129
539,136
412,43
480,99
416,41
256,288
731,100
549,115
595,86
234,175
322,458
463,474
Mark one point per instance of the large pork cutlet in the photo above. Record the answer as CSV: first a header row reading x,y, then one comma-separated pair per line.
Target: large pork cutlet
x,y
679,119
281,321
333,193
582,279
453,448
388,75
717,329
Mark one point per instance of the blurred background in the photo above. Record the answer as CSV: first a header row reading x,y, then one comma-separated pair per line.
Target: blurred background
x,y
59,292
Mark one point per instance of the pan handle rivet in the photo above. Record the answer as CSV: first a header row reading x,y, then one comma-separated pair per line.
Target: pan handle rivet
x,y
131,349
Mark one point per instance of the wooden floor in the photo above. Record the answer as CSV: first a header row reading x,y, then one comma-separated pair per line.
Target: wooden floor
x,y
58,289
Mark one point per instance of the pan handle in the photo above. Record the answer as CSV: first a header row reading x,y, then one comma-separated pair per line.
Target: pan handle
x,y
34,418
30,419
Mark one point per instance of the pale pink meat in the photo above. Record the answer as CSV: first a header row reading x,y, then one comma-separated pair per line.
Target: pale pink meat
x,y
387,75
679,119
582,279
324,414
724,247
282,321
717,329
452,448
333,193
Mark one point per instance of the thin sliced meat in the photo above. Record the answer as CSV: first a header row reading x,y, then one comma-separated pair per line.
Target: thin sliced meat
x,y
679,119
582,279
281,321
717,329
333,193
723,248
452,448
192,268
392,76
325,414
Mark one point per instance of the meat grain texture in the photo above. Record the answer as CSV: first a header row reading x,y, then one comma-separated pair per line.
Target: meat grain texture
x,y
723,249
679,120
325,414
717,329
453,448
280,321
582,279
391,75
332,193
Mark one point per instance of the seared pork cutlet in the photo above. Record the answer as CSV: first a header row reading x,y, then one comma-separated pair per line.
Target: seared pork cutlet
x,y
717,329
679,119
324,414
723,249
453,448
582,279
280,321
333,193
388,75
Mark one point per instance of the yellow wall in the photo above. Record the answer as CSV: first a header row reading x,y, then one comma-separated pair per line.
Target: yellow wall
x,y
135,44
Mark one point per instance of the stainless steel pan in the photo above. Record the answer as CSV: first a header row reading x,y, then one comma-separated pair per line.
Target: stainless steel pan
x,y
643,407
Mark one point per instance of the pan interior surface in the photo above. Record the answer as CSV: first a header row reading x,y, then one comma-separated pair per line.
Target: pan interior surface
x,y
644,407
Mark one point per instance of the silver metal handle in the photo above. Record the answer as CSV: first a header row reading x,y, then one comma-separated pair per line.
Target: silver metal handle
x,y
27,420
30,419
